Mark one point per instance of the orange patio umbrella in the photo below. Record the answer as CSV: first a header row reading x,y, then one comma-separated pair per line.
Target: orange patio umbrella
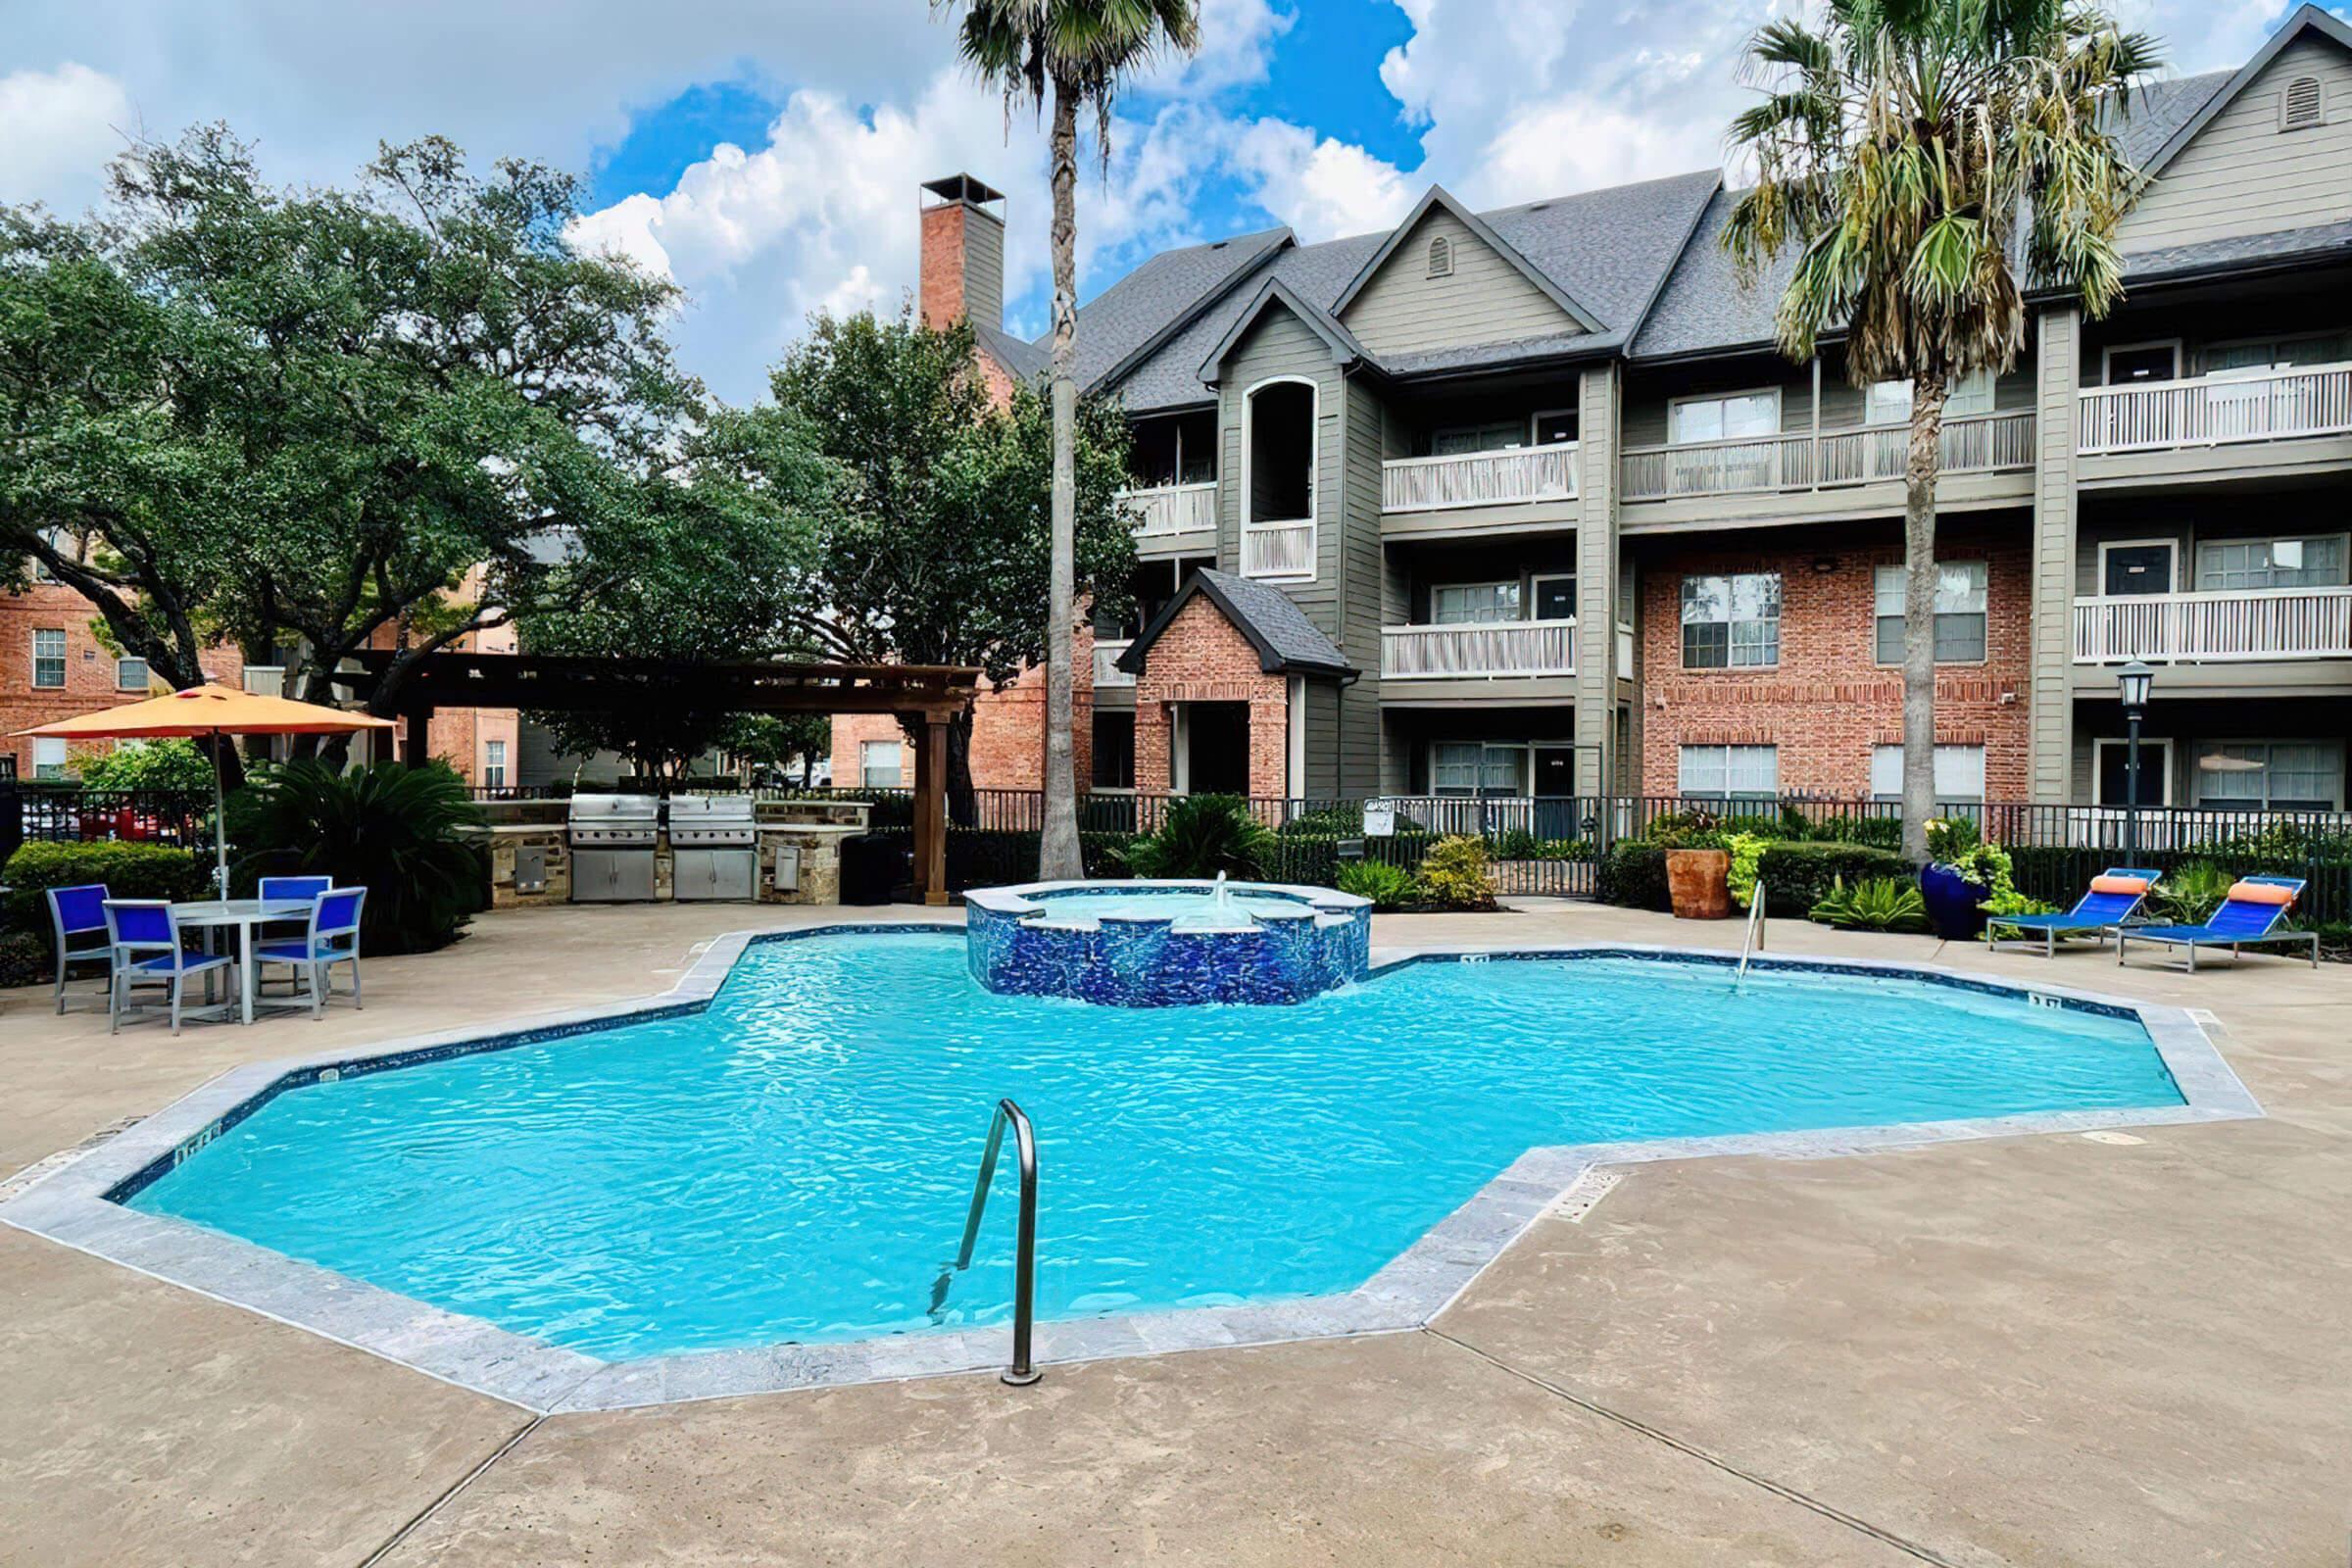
x,y
215,711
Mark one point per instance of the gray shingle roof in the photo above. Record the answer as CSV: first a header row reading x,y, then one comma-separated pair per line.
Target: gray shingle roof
x,y
1124,316
1704,308
1287,642
1023,362
2237,250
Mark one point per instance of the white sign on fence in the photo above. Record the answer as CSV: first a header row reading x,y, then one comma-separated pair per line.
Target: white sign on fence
x,y
1380,819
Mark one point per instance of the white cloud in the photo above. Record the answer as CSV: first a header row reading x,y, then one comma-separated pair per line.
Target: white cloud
x,y
56,130
1322,188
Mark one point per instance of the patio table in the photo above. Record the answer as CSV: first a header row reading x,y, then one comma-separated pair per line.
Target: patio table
x,y
242,915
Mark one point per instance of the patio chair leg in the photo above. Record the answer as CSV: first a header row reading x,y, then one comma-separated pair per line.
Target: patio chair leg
x,y
318,989
114,1000
180,983
61,977
360,1007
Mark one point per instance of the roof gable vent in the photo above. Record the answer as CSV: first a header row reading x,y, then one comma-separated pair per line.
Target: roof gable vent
x,y
2301,105
1441,257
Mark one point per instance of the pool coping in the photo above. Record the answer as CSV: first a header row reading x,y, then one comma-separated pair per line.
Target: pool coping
x,y
74,1204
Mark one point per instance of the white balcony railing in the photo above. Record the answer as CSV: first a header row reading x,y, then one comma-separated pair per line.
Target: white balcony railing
x,y
1107,663
2213,410
1478,650
1497,478
1278,549
1172,508
2215,628
1978,444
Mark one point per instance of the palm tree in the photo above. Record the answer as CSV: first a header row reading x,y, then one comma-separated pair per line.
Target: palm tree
x,y
1082,49
1904,148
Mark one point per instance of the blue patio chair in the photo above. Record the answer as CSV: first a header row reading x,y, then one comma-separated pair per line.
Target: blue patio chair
x,y
2248,918
78,911
144,935
2103,909
289,890
333,938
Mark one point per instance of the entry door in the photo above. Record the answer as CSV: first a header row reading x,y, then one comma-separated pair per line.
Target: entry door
x,y
1217,747
1555,600
1555,787
2136,569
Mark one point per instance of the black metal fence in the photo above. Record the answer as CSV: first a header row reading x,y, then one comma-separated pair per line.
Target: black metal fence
x,y
70,813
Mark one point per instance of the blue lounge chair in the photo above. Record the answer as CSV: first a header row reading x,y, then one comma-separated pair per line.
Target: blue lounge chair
x,y
78,911
2094,914
2247,919
144,934
333,938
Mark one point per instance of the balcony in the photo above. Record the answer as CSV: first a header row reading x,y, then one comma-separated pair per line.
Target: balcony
x,y
2215,411
1107,663
1478,650
1278,550
1832,459
2277,623
1508,476
1172,509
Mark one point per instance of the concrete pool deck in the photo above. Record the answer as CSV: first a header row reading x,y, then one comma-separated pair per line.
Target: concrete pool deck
x,y
2032,1350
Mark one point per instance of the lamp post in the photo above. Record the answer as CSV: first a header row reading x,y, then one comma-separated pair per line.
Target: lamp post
x,y
2132,684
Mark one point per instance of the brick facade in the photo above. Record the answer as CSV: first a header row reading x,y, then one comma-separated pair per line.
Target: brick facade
x,y
1828,702
1008,729
1200,657
90,680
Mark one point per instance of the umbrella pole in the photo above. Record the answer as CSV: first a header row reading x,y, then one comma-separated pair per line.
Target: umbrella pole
x,y
220,826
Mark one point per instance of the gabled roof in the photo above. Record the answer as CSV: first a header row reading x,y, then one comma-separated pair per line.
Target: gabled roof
x,y
1137,314
2307,20
1023,362
1438,197
1345,349
1287,642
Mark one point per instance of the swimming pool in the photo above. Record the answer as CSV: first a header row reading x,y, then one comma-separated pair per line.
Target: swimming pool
x,y
792,1164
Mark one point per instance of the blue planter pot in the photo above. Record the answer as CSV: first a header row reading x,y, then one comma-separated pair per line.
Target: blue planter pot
x,y
1952,901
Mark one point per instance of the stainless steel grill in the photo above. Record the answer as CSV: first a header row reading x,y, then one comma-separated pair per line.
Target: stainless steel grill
x,y
713,848
612,838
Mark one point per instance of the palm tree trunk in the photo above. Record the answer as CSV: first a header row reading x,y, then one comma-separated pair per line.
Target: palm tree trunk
x,y
1058,855
1919,613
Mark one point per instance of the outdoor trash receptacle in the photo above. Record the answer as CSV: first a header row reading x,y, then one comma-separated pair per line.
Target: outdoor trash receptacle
x,y
871,866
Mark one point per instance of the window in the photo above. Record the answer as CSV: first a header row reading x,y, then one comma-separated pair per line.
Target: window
x,y
1495,435
1465,603
494,764
1476,767
2261,356
131,674
1114,749
1959,773
2129,568
1732,416
49,659
1889,402
1441,257
2128,363
48,757
1555,427
2279,775
1731,622
1725,772
1959,613
2302,105
1555,598
878,765
2311,562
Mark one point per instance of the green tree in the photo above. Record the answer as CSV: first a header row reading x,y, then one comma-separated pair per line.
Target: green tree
x,y
1083,50
1902,149
776,742
938,548
162,764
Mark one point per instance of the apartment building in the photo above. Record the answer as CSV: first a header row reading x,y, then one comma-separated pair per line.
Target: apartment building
x,y
1525,503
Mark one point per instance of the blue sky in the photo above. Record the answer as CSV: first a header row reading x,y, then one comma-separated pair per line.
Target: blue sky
x,y
765,153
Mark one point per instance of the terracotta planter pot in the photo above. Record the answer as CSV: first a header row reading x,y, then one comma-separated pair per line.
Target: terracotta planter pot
x,y
1700,881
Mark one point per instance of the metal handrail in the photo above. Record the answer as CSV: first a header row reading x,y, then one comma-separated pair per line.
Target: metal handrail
x,y
1024,1278
1754,939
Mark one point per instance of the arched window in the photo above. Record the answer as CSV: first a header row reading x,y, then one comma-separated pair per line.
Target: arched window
x,y
2302,105
1441,257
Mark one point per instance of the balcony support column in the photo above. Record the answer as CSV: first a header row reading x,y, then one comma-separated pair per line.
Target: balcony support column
x,y
2057,385
1597,607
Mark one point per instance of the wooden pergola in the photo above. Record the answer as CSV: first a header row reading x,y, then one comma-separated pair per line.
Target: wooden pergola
x,y
926,697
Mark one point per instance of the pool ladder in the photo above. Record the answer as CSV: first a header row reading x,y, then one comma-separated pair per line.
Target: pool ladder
x,y
1753,941
1024,1278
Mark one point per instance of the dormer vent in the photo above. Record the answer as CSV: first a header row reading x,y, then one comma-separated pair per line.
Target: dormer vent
x,y
1441,257
2302,105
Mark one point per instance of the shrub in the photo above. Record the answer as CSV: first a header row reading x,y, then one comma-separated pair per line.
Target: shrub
x,y
1880,903
405,834
1389,887
1747,848
1634,875
1330,821
2189,895
2012,903
129,871
1202,835
1453,874
25,960
164,765
1797,876
1878,832
1952,837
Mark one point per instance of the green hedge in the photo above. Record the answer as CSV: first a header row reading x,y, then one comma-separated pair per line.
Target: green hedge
x,y
129,871
1796,876
1634,875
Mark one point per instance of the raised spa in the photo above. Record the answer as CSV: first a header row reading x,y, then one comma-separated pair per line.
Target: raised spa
x,y
1166,943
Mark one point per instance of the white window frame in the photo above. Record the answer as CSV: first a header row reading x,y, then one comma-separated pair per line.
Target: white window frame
x,y
1985,379
2161,746
1727,794
2276,340
1943,749
1522,768
1516,585
2196,568
1526,438
1877,615
2343,760
2172,549
1314,470
2107,358
1532,593
1541,414
49,746
146,674
64,660
1728,667
494,764
1294,739
865,767
1674,407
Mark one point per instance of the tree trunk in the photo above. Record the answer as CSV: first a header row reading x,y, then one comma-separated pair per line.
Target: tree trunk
x,y
1919,611
1058,855
962,799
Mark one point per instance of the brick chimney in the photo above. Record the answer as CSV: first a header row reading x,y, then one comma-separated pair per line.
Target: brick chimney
x,y
962,252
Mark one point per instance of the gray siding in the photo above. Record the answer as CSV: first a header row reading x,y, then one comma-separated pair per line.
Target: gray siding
x,y
1403,309
1363,587
1281,345
2244,176
1322,780
2050,735
1596,581
983,268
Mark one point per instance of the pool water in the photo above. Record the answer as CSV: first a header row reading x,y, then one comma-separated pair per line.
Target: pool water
x,y
794,1164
